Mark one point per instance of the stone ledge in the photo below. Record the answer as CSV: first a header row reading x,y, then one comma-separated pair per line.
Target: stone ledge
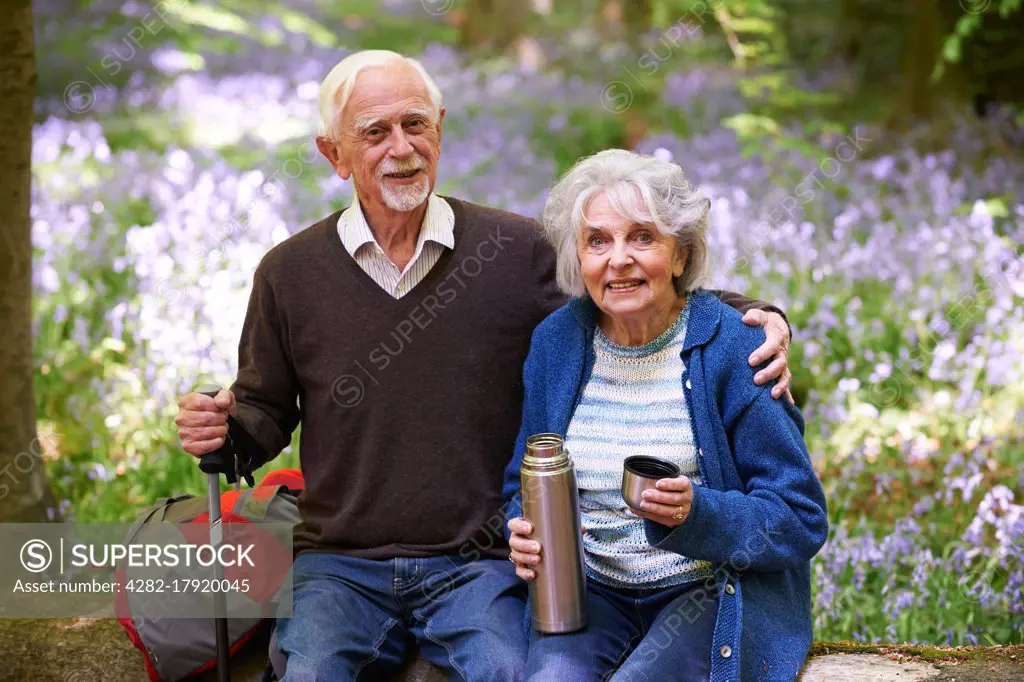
x,y
82,650
854,662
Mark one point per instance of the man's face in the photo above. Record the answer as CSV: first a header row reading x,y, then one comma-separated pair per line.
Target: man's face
x,y
389,140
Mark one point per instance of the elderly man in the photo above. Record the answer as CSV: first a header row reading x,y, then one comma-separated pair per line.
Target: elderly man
x,y
396,331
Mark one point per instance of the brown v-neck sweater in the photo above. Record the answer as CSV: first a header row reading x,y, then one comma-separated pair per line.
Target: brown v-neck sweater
x,y
409,407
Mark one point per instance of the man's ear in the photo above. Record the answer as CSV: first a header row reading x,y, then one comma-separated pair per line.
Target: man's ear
x,y
440,120
330,152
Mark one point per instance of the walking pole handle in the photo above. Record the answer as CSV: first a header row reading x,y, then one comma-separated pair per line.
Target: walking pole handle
x,y
221,460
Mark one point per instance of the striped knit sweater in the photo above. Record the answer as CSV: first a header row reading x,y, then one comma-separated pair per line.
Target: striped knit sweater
x,y
633,404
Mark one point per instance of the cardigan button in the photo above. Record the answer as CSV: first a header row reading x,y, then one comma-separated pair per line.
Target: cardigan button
x,y
688,383
729,589
726,651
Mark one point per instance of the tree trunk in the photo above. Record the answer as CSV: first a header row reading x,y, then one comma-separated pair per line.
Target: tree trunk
x,y
916,97
850,30
24,492
626,20
638,16
494,24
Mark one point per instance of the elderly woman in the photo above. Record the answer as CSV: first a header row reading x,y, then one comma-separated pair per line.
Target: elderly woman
x,y
711,579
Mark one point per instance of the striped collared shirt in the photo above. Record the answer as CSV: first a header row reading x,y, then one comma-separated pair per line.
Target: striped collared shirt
x,y
436,232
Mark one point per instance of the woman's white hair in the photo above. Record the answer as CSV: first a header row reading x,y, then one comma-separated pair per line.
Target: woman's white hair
x,y
640,188
336,88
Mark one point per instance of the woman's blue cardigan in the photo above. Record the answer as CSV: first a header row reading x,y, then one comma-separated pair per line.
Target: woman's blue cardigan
x,y
760,515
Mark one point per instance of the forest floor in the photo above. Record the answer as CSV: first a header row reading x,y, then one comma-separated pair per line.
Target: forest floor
x,y
85,650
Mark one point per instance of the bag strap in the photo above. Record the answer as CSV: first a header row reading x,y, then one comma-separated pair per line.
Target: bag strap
x,y
253,503
161,505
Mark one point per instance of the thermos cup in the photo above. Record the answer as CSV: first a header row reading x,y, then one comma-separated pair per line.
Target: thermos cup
x,y
558,595
641,473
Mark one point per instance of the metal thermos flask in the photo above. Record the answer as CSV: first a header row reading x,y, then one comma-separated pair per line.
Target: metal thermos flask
x,y
558,595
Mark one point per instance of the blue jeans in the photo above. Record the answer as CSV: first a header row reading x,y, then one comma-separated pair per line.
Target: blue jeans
x,y
633,635
358,618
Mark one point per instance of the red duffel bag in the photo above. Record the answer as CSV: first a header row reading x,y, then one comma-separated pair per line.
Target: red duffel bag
x,y
179,648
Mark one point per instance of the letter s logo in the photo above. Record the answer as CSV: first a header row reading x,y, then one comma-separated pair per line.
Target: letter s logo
x,y
36,556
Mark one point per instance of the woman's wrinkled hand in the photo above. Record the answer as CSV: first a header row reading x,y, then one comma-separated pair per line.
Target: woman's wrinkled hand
x,y
670,504
525,552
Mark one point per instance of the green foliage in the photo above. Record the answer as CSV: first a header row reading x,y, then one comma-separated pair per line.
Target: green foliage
x,y
585,132
967,26
754,33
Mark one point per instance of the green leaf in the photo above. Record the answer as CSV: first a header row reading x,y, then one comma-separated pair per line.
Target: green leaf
x,y
753,25
997,208
749,124
966,24
1009,7
300,23
951,50
213,17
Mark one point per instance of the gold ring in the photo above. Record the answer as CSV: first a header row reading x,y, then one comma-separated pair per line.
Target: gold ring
x,y
678,516
511,559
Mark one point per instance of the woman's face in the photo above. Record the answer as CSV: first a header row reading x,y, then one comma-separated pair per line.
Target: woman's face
x,y
627,268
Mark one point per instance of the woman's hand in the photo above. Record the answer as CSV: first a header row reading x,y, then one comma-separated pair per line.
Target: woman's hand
x,y
669,505
525,552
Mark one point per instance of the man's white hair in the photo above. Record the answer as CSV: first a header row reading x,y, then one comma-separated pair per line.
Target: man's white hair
x,y
337,86
641,188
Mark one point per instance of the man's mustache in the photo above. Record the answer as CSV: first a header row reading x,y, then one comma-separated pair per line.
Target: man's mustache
x,y
389,166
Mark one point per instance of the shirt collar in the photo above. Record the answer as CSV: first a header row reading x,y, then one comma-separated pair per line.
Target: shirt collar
x,y
438,226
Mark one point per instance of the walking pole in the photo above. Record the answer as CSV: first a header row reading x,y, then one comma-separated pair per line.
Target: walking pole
x,y
213,464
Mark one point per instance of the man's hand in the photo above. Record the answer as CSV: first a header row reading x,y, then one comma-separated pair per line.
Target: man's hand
x,y
203,421
775,344
670,504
